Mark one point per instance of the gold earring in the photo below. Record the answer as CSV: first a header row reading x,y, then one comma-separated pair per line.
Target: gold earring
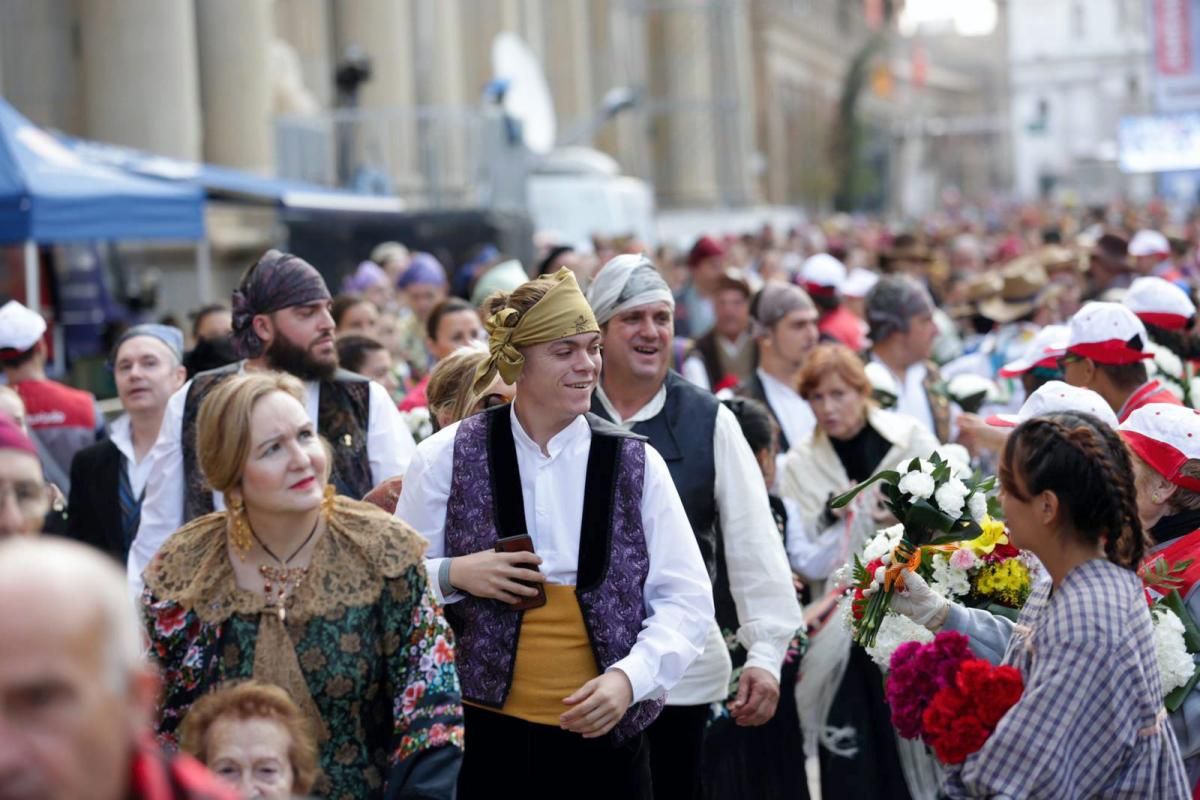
x,y
327,503
239,531
1155,498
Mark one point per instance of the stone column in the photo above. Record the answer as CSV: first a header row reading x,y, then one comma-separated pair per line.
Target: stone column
x,y
388,138
139,68
235,39
442,87
681,60
568,61
306,26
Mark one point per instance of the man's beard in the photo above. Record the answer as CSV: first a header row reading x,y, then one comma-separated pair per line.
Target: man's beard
x,y
284,356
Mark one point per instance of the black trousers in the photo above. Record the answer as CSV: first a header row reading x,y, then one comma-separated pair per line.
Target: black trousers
x,y
676,745
509,757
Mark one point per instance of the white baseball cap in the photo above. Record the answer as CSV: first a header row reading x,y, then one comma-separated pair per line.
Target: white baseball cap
x,y
1049,343
859,282
1055,396
1165,436
20,328
1108,333
1159,302
822,274
1149,243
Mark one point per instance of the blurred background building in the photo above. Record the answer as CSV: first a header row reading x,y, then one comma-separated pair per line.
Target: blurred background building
x,y
814,104
1077,68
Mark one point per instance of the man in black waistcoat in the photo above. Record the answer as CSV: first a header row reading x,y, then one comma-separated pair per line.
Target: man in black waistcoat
x,y
717,479
108,479
281,321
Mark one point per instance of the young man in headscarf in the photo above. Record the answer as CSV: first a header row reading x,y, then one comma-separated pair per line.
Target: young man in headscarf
x,y
785,324
717,476
556,695
281,321
900,315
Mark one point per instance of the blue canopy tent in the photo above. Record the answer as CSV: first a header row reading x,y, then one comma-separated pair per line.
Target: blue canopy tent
x,y
226,183
50,194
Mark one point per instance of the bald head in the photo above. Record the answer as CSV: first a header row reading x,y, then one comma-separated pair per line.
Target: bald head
x,y
72,586
75,694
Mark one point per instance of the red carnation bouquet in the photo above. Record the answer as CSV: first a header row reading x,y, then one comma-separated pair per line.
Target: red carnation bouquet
x,y
940,693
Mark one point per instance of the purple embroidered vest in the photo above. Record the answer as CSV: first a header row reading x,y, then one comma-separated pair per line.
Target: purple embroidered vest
x,y
485,499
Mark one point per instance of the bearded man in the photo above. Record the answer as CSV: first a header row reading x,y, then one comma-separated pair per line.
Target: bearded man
x,y
282,322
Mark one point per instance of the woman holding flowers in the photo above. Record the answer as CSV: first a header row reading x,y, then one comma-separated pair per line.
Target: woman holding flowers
x,y
1091,721
1164,448
841,692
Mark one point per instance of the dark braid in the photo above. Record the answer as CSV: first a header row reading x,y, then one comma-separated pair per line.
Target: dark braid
x,y
1184,343
1086,465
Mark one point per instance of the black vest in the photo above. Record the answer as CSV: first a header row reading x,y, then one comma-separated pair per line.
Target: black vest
x,y
682,433
343,411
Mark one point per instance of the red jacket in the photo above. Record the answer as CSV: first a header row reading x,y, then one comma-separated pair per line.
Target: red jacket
x,y
841,324
157,775
1149,392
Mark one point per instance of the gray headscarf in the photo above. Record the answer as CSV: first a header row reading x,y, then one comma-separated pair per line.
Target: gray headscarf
x,y
775,301
893,302
625,282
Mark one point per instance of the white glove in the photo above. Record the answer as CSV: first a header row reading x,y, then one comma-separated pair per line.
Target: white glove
x,y
919,603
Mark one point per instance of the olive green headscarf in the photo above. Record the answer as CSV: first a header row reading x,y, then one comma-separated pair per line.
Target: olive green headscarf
x,y
562,312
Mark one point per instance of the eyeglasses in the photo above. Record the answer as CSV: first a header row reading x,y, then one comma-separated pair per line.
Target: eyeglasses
x,y
29,496
1067,359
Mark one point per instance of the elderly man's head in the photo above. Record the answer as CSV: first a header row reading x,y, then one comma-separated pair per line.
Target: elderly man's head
x,y
147,367
900,316
24,499
75,692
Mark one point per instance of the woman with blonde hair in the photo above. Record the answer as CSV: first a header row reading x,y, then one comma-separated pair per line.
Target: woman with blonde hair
x,y
450,393
322,595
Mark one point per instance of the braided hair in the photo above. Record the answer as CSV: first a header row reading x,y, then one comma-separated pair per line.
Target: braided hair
x,y
1184,343
1084,462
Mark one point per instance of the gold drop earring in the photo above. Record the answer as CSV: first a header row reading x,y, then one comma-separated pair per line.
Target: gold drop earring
x,y
239,530
327,502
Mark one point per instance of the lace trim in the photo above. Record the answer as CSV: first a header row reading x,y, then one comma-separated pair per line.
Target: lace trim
x,y
361,548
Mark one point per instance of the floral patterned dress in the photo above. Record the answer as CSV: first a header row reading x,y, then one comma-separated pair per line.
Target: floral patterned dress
x,y
364,649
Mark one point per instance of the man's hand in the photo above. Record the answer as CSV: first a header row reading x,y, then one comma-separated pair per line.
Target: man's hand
x,y
757,696
386,494
495,575
978,436
599,705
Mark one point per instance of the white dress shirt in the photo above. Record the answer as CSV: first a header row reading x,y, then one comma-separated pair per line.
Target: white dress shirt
x,y
389,448
792,412
678,595
913,399
759,577
120,433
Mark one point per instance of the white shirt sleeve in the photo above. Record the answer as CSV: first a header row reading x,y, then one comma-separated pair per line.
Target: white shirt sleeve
x,y
694,371
760,579
390,445
678,594
813,554
162,506
423,501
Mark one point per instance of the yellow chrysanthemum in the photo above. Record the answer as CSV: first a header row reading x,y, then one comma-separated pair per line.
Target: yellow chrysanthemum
x,y
993,534
1006,583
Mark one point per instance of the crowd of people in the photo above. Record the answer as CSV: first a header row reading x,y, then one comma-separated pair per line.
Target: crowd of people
x,y
567,528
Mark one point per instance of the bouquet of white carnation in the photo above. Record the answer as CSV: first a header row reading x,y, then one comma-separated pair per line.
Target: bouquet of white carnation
x,y
936,501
